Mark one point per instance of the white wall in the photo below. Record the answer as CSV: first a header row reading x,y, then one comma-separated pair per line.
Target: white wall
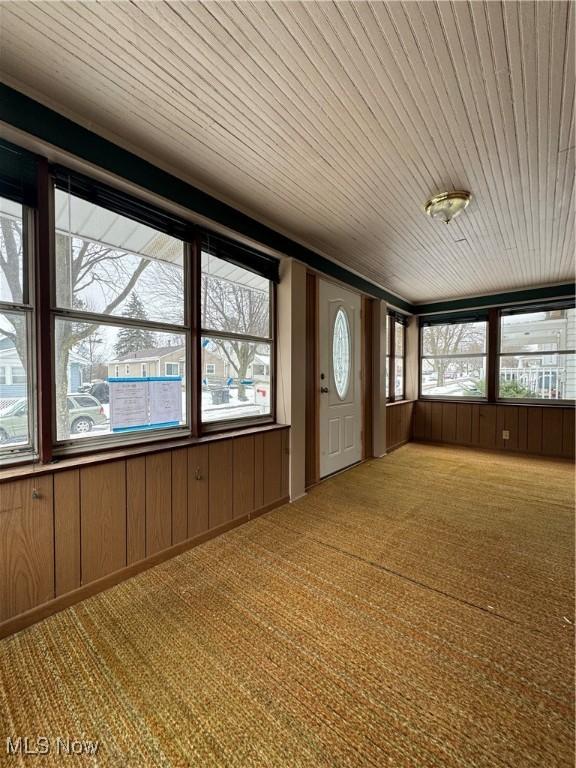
x,y
291,367
411,372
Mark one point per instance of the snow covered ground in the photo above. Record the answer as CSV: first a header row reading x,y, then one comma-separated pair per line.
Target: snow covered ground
x,y
257,404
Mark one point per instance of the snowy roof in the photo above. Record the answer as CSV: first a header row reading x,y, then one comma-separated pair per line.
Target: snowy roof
x,y
91,222
152,353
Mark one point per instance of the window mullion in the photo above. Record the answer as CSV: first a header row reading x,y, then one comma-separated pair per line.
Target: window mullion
x,y
44,278
492,362
236,336
117,320
6,306
195,308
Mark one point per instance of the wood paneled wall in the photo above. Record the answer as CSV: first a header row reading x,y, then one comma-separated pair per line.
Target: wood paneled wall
x,y
545,431
63,531
398,424
26,546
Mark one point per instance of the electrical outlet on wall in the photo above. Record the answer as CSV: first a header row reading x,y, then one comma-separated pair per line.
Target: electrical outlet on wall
x,y
505,434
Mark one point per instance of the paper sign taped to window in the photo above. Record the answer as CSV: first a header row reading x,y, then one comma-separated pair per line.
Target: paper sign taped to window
x,y
165,400
146,402
128,403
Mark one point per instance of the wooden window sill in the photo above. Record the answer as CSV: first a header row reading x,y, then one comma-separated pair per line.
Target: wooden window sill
x,y
399,402
29,469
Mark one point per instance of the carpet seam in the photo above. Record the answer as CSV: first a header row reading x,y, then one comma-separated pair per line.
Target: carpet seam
x,y
417,583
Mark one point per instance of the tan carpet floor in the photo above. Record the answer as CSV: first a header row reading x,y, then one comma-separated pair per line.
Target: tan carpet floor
x,y
415,611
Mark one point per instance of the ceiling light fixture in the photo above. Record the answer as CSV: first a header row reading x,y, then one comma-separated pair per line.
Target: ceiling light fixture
x,y
446,205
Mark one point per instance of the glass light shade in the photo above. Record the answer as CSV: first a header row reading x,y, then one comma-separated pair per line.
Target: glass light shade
x,y
446,205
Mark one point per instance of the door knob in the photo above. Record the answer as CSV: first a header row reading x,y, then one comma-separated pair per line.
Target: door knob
x,y
324,390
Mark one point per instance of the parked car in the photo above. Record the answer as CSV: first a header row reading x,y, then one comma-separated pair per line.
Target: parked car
x,y
84,411
14,421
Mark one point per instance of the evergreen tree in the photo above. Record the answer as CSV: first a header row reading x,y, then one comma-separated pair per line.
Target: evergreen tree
x,y
131,340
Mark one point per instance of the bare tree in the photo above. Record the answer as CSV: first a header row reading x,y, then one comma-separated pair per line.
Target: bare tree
x,y
85,267
441,341
234,308
163,291
227,306
91,349
11,259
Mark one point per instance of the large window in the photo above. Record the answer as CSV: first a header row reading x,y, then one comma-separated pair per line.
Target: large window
x,y
395,357
16,404
151,327
237,341
120,307
537,356
453,358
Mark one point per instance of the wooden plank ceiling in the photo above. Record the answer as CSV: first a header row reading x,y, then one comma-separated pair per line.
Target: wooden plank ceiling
x,y
333,122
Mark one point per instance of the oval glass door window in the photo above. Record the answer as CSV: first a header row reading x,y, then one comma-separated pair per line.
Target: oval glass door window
x,y
341,353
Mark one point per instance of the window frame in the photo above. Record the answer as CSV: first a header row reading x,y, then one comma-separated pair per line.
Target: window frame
x,y
76,446
492,318
41,312
226,425
393,319
456,320
522,310
27,309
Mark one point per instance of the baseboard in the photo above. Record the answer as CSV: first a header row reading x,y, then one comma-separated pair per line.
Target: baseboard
x,y
269,507
391,448
39,612
494,450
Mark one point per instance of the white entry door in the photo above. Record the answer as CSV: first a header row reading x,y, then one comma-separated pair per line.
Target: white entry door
x,y
340,378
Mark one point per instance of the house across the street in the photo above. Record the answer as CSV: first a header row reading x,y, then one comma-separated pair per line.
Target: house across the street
x,y
13,380
171,361
216,368
159,361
